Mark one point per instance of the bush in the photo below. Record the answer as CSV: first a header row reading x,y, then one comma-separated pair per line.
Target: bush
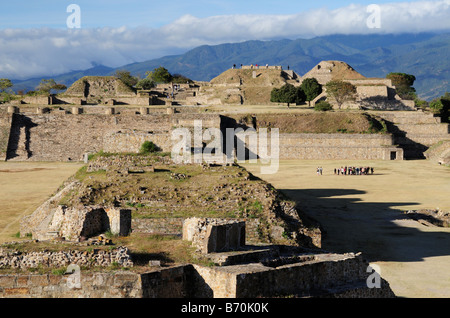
x,y
287,94
323,106
149,147
436,106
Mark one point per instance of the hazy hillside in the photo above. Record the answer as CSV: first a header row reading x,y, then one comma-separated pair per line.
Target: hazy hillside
x,y
423,55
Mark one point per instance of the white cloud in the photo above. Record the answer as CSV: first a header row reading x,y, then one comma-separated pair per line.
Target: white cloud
x,y
34,52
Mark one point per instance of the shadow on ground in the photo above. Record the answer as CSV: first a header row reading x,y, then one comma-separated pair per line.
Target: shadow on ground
x,y
380,230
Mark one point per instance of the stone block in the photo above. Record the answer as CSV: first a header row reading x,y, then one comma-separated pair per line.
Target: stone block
x,y
39,280
7,281
22,281
119,221
214,235
110,111
16,292
77,110
13,110
143,111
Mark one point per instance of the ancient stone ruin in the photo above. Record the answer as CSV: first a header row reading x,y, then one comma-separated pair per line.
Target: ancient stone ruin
x,y
51,221
214,235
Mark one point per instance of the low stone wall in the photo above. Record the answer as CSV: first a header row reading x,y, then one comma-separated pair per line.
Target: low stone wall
x,y
325,273
339,276
164,283
38,100
370,91
174,226
104,258
165,226
418,129
89,285
131,141
329,146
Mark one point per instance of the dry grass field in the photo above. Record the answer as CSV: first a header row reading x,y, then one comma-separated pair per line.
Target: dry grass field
x,y
25,186
365,214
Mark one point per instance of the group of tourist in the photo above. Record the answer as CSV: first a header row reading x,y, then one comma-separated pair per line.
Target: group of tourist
x,y
356,171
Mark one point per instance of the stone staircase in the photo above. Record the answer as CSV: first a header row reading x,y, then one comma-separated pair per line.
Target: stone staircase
x,y
18,145
415,131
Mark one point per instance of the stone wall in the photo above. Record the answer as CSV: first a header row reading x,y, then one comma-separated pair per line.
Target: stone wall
x,y
326,273
331,146
174,226
95,258
121,284
131,141
64,135
370,91
333,275
37,100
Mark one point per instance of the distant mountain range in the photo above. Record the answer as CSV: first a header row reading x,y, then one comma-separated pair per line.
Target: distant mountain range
x,y
425,56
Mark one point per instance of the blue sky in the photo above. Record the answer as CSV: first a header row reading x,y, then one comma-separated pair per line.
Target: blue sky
x,y
35,39
154,14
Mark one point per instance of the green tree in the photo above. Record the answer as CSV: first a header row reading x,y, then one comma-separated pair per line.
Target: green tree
x,y
180,79
403,84
341,91
45,86
288,93
160,75
5,84
145,83
5,90
441,106
59,87
436,105
126,78
311,88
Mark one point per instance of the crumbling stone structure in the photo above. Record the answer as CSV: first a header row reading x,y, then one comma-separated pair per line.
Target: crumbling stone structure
x,y
51,220
214,235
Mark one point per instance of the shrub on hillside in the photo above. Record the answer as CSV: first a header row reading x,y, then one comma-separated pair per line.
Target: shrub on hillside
x,y
149,147
323,106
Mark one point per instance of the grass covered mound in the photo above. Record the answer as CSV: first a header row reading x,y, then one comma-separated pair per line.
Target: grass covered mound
x,y
154,187
318,123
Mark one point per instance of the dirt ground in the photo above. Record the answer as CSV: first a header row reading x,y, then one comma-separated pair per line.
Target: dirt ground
x,y
25,186
365,214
